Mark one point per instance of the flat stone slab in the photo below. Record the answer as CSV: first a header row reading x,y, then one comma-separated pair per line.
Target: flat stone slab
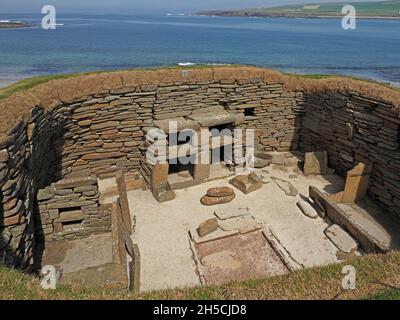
x,y
216,235
244,223
223,215
286,186
341,239
316,163
213,118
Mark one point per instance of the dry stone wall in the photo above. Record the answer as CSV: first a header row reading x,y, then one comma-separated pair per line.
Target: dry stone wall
x,y
95,126
354,128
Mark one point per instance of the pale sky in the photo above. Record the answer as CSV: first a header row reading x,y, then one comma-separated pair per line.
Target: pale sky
x,y
140,6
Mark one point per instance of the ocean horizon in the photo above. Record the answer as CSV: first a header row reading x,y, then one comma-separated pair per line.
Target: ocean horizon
x,y
85,43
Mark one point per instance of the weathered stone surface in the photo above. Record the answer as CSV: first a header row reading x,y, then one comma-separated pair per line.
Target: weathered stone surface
x,y
247,183
70,204
341,239
214,119
178,123
212,201
261,163
307,209
70,216
163,192
220,192
229,214
245,223
286,186
17,209
44,194
4,156
123,201
357,182
75,182
316,163
207,227
278,158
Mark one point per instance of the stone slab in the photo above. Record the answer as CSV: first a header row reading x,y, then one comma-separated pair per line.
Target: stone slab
x,y
316,163
341,239
286,186
243,223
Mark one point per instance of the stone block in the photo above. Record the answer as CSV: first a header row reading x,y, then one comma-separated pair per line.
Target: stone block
x,y
159,174
316,163
207,227
75,182
247,183
357,183
163,192
212,201
71,216
220,192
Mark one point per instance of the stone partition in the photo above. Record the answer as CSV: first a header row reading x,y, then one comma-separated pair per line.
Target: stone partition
x,y
95,125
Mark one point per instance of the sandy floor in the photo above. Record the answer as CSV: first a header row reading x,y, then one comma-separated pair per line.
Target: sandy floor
x,y
162,228
79,254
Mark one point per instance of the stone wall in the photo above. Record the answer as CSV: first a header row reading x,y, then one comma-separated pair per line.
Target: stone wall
x,y
69,209
355,128
95,125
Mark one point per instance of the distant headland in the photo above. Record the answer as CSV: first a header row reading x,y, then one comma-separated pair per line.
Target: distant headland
x,y
366,10
8,24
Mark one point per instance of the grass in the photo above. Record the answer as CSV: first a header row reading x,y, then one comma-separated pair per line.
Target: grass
x,y
316,283
29,83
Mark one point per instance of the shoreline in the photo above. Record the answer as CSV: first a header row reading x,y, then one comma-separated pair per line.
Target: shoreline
x,y
289,16
14,25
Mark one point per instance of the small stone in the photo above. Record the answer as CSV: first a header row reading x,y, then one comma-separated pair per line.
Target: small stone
x,y
293,176
211,201
207,227
220,192
307,209
341,239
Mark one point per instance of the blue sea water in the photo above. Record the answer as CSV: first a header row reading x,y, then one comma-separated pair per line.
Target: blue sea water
x,y
108,42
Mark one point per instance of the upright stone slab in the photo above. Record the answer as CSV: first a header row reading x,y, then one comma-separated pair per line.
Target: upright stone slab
x,y
357,183
123,200
316,163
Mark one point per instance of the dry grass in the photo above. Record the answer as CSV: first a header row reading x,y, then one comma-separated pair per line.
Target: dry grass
x,y
19,99
317,283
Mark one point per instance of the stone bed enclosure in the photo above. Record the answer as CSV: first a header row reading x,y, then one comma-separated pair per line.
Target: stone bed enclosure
x,y
57,139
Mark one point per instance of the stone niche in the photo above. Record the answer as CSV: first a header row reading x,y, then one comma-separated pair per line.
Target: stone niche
x,y
69,209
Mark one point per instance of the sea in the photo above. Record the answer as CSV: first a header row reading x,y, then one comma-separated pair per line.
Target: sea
x,y
82,43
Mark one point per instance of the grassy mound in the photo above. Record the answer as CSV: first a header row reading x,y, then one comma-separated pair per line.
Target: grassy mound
x,y
377,278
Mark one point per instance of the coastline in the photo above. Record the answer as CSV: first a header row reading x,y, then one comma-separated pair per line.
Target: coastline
x,y
284,16
13,25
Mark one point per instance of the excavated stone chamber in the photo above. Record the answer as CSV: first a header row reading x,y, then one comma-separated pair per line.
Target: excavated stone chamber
x,y
58,139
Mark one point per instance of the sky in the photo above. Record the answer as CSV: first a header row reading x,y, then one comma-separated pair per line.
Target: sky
x,y
140,6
